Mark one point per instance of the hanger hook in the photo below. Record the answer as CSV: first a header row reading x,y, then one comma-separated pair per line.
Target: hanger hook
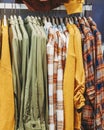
x,y
20,10
15,8
4,9
12,8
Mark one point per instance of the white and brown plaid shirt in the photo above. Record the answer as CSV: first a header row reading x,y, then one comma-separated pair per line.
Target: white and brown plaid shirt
x,y
56,56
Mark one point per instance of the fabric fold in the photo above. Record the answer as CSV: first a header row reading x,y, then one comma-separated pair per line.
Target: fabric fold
x,y
74,6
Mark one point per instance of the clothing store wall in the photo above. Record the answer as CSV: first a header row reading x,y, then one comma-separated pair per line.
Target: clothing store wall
x,y
98,15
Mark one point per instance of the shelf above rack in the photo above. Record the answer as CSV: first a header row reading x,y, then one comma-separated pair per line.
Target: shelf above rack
x,y
23,6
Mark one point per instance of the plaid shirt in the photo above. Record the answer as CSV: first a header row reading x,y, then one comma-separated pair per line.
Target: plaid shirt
x,y
66,33
88,58
55,69
93,112
60,71
56,57
99,78
50,59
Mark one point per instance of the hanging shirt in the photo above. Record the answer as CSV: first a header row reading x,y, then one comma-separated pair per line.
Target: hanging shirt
x,y
99,77
42,72
55,71
15,50
74,6
19,36
25,58
88,48
56,53
31,82
60,77
51,79
0,38
7,120
35,89
74,80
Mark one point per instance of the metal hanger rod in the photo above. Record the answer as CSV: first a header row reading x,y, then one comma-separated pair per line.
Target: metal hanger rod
x,y
23,6
12,6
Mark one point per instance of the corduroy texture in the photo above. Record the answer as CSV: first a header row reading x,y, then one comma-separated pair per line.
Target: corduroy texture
x,y
6,85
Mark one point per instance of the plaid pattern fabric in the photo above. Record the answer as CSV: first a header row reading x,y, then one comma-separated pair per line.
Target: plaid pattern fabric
x,y
55,69
88,58
65,46
99,78
93,112
61,60
56,56
50,59
64,52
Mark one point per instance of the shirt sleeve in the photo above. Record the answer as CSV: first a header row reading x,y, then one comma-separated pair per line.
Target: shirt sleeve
x,y
79,100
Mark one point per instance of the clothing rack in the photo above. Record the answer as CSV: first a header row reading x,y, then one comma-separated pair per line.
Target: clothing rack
x,y
23,6
21,9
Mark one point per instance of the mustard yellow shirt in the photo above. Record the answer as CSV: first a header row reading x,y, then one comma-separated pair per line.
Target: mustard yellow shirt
x,y
74,80
6,85
74,6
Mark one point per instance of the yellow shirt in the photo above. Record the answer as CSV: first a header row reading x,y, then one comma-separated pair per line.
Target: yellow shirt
x,y
74,6
74,79
6,85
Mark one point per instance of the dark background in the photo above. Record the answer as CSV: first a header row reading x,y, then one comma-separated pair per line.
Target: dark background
x,y
98,15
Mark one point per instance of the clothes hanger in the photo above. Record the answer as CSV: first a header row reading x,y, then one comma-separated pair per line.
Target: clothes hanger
x,y
11,16
19,17
75,19
53,21
84,18
32,18
79,17
90,18
65,20
70,21
19,11
15,17
48,19
39,20
60,20
36,19
15,13
44,19
5,20
57,21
